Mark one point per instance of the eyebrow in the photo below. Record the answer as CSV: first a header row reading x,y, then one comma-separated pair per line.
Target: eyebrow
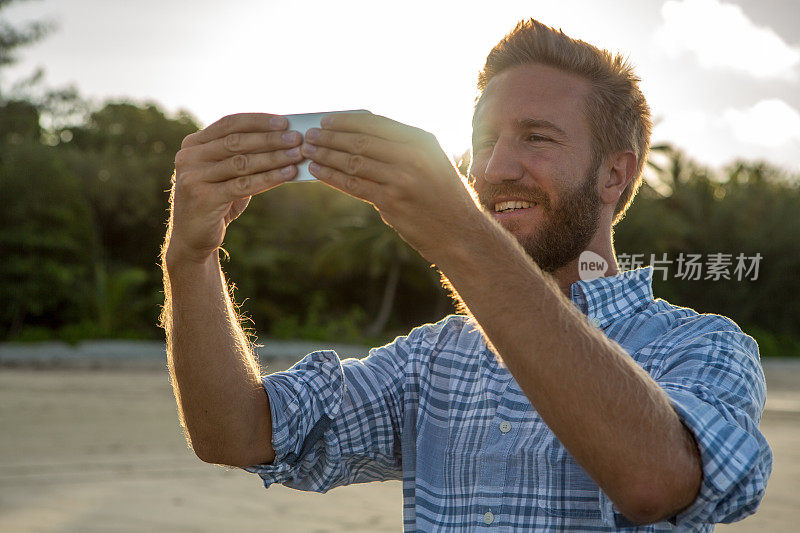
x,y
533,123
527,124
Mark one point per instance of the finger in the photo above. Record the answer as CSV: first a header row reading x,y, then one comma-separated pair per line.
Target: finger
x,y
253,184
361,188
246,164
239,123
357,143
351,164
375,125
248,143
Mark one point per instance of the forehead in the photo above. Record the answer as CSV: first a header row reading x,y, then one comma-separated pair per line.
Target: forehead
x,y
536,92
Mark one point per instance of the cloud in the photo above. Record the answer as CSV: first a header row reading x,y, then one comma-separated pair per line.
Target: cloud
x,y
721,36
769,130
768,123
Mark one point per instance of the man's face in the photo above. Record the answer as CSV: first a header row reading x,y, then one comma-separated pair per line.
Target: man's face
x,y
531,148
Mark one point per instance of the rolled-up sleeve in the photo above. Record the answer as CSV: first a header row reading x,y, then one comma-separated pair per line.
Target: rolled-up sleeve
x,y
336,422
716,386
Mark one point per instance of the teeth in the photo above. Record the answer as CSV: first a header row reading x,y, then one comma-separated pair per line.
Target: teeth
x,y
513,204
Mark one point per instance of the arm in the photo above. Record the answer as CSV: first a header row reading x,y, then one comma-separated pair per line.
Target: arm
x,y
338,422
606,410
215,377
609,413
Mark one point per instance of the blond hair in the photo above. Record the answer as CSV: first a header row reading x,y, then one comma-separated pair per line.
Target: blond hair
x,y
617,112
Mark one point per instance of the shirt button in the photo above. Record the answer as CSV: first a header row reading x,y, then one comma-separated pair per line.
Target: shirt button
x,y
505,427
488,518
595,321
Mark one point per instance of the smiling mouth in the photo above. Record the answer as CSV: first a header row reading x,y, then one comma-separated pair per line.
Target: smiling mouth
x,y
512,205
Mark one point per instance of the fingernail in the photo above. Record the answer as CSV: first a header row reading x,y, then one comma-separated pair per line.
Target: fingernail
x,y
326,121
277,122
312,134
290,136
309,148
294,152
287,171
313,167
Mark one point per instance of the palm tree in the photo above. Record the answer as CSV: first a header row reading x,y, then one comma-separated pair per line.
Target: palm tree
x,y
363,245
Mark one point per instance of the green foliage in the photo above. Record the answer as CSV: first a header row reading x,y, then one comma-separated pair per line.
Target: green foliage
x,y
19,121
750,208
82,233
303,240
123,156
319,325
774,345
47,240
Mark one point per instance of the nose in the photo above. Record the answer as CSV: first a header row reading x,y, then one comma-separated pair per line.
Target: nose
x,y
502,164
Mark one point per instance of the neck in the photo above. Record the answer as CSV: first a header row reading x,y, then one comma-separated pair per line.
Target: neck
x,y
603,246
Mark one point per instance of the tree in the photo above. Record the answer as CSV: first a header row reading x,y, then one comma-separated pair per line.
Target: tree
x,y
46,237
364,246
12,38
123,157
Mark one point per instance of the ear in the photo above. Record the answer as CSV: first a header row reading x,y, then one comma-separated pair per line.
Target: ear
x,y
621,167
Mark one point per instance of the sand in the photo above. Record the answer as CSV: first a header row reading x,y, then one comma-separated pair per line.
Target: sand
x,y
99,450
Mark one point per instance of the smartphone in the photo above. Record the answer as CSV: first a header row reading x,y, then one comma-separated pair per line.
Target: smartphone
x,y
302,122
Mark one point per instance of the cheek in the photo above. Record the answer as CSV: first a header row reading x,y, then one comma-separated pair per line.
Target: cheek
x,y
546,172
544,162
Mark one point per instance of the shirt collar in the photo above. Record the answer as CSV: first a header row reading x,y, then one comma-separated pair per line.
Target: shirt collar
x,y
606,299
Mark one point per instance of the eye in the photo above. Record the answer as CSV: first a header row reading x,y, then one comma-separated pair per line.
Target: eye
x,y
484,144
537,138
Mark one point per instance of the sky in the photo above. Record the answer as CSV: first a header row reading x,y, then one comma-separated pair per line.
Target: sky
x,y
722,77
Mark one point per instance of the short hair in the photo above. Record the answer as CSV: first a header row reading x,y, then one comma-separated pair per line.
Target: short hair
x,y
617,112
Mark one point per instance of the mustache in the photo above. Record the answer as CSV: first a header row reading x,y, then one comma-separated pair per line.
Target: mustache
x,y
491,191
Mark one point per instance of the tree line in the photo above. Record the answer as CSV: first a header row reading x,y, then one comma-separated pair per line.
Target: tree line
x,y
86,204
85,193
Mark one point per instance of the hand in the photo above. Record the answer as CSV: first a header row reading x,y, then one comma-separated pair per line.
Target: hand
x,y
400,170
217,171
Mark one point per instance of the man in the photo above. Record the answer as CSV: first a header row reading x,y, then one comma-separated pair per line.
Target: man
x,y
556,403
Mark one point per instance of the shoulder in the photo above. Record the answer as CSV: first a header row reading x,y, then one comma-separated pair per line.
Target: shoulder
x,y
684,327
452,330
423,340
709,351
672,336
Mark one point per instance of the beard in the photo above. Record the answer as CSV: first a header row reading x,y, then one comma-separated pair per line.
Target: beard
x,y
567,227
566,231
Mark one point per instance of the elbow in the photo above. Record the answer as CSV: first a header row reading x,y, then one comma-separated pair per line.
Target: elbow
x,y
210,451
219,458
659,494
232,456
644,510
651,503
208,454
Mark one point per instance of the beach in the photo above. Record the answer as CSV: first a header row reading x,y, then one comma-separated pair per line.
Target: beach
x,y
96,446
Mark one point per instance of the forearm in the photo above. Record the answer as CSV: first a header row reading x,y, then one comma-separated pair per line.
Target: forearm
x,y
215,376
606,410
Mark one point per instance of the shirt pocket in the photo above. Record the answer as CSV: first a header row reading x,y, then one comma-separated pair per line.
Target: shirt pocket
x,y
432,449
565,489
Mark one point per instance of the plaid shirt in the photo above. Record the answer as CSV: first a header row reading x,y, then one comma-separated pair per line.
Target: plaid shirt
x,y
437,410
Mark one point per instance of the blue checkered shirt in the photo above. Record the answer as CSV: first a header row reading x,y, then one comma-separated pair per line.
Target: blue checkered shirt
x,y
437,410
